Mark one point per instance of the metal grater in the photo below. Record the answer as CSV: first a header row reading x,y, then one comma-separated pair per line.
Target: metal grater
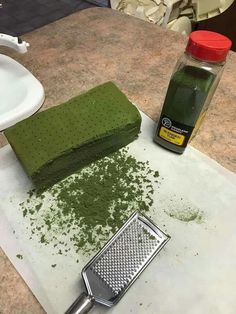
x,y
116,266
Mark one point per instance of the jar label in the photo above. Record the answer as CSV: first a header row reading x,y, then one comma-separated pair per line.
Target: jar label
x,y
174,132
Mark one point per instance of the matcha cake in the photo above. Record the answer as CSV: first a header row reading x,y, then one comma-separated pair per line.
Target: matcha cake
x,y
56,142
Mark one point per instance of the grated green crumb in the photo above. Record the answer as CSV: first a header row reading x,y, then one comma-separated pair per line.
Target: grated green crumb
x,y
86,208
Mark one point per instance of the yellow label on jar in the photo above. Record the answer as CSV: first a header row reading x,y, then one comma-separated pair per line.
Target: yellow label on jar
x,y
171,136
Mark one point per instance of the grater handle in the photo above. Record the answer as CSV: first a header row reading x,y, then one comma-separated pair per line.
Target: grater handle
x,y
82,305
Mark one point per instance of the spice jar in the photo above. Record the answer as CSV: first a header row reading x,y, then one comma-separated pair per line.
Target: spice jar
x,y
192,85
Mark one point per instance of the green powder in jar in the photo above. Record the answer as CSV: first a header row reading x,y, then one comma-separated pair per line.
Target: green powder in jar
x,y
182,111
186,95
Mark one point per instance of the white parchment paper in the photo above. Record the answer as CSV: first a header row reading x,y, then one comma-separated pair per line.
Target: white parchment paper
x,y
195,273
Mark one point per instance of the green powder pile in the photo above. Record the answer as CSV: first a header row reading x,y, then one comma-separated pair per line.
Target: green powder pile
x,y
185,214
81,212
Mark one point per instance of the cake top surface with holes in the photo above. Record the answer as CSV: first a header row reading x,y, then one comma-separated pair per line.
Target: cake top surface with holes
x,y
82,120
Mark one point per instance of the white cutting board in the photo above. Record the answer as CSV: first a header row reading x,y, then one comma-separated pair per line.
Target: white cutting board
x,y
194,274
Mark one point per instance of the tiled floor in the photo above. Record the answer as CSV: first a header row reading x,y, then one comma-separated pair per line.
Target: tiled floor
x,y
18,17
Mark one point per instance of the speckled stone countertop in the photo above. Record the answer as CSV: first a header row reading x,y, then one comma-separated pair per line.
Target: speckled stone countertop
x,y
96,45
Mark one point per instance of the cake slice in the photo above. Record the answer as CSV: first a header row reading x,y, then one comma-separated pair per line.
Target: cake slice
x,y
58,141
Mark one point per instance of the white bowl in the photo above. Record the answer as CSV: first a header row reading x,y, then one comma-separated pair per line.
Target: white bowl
x,y
21,94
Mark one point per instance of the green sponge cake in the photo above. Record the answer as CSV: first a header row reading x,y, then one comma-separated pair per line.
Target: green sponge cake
x,y
56,142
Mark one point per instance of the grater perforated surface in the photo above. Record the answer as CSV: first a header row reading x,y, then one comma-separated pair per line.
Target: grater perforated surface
x,y
111,272
122,261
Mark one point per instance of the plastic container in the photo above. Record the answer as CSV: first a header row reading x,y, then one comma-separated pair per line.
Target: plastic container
x,y
192,85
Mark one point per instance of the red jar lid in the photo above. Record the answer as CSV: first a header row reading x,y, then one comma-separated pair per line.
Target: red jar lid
x,y
208,46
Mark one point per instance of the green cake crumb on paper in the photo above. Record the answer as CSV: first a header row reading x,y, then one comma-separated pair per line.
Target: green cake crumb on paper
x,y
53,265
19,256
82,212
